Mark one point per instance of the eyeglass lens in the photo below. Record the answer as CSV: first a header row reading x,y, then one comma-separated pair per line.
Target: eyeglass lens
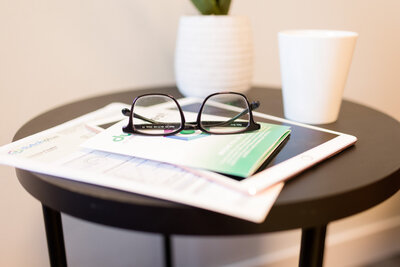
x,y
156,121
213,122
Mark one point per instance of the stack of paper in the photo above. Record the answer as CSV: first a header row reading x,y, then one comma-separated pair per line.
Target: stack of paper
x,y
58,151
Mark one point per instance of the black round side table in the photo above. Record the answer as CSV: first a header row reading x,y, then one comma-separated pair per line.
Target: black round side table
x,y
358,178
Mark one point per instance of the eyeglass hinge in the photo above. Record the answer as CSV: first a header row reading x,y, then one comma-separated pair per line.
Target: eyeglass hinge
x,y
126,112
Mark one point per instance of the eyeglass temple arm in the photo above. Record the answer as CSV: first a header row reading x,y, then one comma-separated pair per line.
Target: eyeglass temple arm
x,y
127,112
254,105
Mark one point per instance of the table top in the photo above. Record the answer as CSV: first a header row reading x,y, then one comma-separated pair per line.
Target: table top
x,y
356,179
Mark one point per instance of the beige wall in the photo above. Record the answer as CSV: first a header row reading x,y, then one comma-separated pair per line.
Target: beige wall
x,y
53,52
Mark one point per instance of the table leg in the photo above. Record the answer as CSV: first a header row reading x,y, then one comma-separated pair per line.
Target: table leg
x,y
55,237
167,250
312,246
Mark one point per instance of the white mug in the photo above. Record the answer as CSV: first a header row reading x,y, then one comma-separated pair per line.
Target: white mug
x,y
314,68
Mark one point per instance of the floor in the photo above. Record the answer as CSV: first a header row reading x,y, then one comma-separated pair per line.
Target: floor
x,y
389,262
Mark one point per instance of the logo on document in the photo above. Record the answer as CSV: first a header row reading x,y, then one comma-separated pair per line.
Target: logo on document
x,y
188,135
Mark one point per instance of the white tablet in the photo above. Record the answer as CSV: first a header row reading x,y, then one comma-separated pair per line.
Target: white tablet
x,y
306,146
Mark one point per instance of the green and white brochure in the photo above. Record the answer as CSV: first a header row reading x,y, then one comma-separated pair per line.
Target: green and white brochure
x,y
234,154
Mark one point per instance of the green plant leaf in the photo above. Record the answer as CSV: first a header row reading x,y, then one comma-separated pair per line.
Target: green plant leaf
x,y
207,7
224,6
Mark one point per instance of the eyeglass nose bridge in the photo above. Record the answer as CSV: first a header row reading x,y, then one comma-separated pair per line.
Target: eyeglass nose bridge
x,y
191,126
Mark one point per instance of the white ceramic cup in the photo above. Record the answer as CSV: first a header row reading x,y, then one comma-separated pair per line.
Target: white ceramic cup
x,y
314,67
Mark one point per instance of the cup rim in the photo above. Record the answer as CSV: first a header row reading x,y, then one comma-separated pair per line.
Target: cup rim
x,y
318,33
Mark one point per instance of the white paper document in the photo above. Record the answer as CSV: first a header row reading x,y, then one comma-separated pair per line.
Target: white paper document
x,y
57,151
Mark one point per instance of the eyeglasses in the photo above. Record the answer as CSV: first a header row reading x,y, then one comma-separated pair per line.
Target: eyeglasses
x,y
171,120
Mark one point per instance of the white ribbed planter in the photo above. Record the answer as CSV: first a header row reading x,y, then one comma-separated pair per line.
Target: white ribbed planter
x,y
213,54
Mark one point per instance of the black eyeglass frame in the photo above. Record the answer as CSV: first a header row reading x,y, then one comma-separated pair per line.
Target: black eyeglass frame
x,y
252,125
